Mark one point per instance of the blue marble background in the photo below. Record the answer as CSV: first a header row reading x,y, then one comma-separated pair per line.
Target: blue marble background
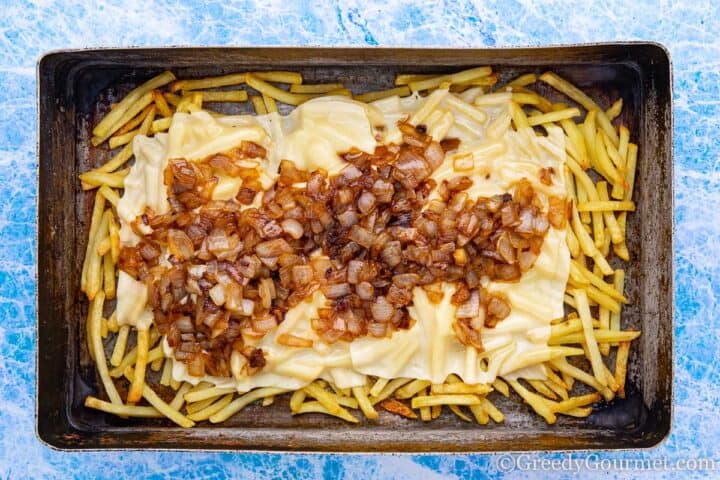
x,y
688,28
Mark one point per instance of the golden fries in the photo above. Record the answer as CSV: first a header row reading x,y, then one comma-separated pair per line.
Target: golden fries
x,y
379,95
459,77
275,92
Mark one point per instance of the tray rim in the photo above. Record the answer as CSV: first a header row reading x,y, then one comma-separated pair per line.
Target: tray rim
x,y
55,442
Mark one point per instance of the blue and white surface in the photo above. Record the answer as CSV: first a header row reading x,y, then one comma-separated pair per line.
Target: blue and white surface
x,y
689,28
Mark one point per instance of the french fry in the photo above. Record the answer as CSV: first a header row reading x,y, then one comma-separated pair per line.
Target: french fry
x,y
172,99
161,125
456,410
604,316
132,124
618,285
574,372
458,388
122,410
258,104
147,122
397,407
555,116
430,103
621,367
523,80
601,336
404,78
166,373
317,407
432,400
379,95
94,318
133,110
120,345
575,402
466,109
326,399
110,195
107,125
518,116
241,402
588,246
606,206
557,389
161,104
131,357
212,409
595,359
95,220
565,87
225,96
411,389
270,105
138,379
315,88
364,403
277,93
604,165
120,140
615,109
389,389
502,387
543,389
95,178
153,399
95,271
211,82
205,393
535,401
578,412
378,386
616,233
631,166
296,399
179,399
459,77
191,408
109,276
598,282
575,135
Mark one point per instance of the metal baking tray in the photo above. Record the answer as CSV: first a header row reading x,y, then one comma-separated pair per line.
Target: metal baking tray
x,y
76,87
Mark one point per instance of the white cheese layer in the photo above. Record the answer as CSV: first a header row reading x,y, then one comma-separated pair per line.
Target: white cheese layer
x,y
312,136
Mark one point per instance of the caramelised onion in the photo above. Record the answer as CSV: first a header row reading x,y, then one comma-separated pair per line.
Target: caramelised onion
x,y
365,291
264,324
366,202
434,155
361,236
302,275
348,218
471,308
382,310
217,293
273,248
336,290
293,228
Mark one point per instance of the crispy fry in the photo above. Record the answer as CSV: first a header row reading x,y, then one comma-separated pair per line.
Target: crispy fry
x,y
364,403
601,336
225,96
389,389
161,125
557,389
109,276
574,372
456,410
432,400
179,399
95,178
563,86
241,402
518,116
327,399
94,318
159,404
465,109
107,125
132,124
380,383
120,345
604,315
212,409
277,93
258,104
523,80
122,410
317,407
205,393
270,105
621,367
535,401
618,285
502,387
95,271
211,82
543,389
595,359
615,109
555,116
127,116
430,103
138,379
598,282
411,389
95,220
455,388
458,77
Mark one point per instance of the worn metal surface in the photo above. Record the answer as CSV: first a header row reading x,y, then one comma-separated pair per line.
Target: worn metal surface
x,y
76,87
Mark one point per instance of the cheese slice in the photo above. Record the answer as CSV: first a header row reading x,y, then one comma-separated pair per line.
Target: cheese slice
x,y
313,136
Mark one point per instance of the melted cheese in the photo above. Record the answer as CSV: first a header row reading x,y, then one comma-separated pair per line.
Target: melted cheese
x,y
312,136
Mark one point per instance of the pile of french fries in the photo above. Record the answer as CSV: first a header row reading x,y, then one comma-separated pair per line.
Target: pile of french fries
x,y
597,226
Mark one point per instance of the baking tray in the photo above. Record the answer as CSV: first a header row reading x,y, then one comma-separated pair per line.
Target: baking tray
x,y
77,87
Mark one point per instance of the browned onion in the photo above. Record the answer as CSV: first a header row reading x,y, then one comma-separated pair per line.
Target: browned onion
x,y
382,310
